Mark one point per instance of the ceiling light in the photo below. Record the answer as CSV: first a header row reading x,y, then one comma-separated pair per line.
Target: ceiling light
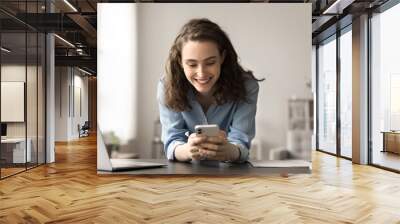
x,y
338,6
84,71
64,40
5,50
70,5
80,51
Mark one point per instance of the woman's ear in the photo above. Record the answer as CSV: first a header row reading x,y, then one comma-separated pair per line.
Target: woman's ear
x,y
223,56
179,59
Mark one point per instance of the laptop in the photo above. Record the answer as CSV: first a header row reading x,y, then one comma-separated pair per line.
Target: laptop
x,y
105,163
132,164
3,131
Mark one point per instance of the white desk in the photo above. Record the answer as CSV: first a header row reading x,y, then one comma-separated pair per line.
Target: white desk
x,y
18,145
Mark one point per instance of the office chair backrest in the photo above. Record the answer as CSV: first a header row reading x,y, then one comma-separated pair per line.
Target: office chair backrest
x,y
86,125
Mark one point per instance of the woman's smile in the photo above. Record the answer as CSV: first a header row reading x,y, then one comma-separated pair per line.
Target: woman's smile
x,y
203,80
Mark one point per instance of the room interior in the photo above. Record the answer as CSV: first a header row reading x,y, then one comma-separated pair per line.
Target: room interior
x,y
49,91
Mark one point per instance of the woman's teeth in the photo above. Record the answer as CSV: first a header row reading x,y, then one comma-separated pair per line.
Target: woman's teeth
x,y
203,81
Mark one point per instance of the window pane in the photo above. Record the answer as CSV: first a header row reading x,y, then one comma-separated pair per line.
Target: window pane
x,y
346,94
41,98
386,89
327,97
22,90
14,146
31,100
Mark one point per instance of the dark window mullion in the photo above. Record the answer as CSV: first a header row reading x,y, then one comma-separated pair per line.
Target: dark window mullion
x,y
0,96
26,86
317,96
369,90
44,79
37,90
338,73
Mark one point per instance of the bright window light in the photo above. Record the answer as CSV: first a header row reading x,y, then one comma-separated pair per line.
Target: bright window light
x,y
117,69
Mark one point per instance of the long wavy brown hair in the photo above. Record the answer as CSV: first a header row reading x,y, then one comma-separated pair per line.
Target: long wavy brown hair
x,y
231,83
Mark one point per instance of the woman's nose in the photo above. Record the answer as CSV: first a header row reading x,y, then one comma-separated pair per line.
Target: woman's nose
x,y
200,69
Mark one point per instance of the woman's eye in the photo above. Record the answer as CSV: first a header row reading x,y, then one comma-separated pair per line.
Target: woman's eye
x,y
210,63
192,65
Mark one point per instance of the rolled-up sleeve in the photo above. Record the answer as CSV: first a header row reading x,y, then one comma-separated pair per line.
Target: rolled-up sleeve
x,y
242,129
172,123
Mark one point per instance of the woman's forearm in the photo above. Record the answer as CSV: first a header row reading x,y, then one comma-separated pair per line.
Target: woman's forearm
x,y
233,152
181,153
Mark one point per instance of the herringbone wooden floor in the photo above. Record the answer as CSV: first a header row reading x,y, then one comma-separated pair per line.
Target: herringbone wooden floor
x,y
70,191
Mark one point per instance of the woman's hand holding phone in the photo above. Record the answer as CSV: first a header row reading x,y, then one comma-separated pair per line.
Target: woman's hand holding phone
x,y
218,148
201,147
191,149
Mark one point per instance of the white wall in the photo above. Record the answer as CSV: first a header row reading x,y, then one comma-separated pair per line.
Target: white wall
x,y
68,81
61,103
272,40
82,82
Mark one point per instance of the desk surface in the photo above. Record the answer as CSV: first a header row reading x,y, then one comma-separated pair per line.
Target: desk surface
x,y
212,168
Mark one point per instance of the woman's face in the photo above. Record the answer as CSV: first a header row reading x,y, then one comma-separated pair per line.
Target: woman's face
x,y
201,62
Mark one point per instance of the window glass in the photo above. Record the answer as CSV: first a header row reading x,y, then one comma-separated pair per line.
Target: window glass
x,y
346,94
385,87
327,96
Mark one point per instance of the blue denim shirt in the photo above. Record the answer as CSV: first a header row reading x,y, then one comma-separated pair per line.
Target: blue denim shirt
x,y
237,119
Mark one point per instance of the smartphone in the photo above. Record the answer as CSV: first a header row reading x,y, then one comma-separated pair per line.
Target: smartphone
x,y
208,130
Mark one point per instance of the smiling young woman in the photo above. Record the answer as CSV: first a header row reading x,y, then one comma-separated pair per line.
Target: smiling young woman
x,y
205,84
201,62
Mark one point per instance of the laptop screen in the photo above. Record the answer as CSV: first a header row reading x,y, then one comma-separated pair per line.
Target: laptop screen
x,y
3,129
